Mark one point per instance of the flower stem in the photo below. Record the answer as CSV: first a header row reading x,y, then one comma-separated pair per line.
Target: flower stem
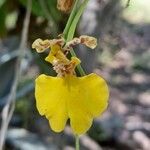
x,y
75,20
79,67
72,22
67,29
71,17
77,143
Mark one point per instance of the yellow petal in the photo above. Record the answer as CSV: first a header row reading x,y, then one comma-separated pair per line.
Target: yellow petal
x,y
78,98
51,102
56,54
88,99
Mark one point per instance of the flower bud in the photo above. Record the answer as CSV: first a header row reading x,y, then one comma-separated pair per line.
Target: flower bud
x,y
65,5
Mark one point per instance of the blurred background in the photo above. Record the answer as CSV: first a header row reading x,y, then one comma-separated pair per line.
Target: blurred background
x,y
122,58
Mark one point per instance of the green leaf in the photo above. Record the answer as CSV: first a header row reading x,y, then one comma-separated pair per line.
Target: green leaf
x,y
71,17
2,2
76,20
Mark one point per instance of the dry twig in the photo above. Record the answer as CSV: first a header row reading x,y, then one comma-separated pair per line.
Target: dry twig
x,y
8,109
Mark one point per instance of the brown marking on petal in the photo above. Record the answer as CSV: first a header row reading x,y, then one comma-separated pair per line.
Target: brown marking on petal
x,y
89,41
41,45
65,5
70,44
59,42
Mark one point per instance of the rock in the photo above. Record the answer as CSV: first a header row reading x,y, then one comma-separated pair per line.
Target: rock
x,y
24,140
141,139
89,143
144,98
69,148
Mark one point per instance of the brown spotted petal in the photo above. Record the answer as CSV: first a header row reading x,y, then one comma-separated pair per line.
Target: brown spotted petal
x,y
41,45
89,41
73,42
65,5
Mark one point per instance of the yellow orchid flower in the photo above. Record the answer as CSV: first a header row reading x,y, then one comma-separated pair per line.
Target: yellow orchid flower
x,y
79,99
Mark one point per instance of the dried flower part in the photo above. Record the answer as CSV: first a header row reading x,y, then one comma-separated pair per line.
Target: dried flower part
x,y
63,70
57,55
73,42
41,45
59,41
89,41
70,68
61,64
65,5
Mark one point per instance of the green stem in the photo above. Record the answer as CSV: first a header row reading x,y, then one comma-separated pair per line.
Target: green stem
x,y
71,17
75,20
68,32
77,143
79,67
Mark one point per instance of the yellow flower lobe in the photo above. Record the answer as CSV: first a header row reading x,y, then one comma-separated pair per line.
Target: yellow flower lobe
x,y
79,99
